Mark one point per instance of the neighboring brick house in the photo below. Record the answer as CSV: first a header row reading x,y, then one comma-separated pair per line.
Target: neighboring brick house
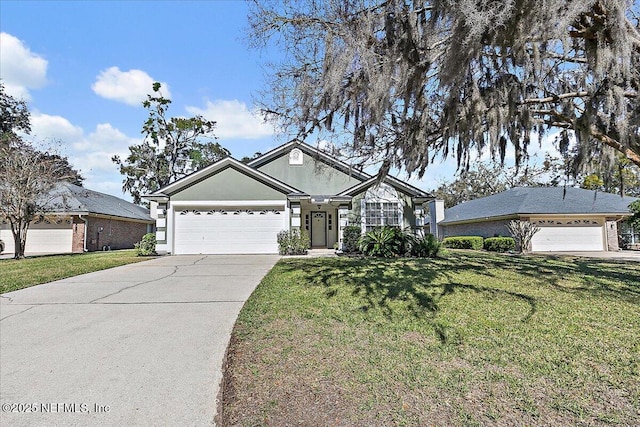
x,y
83,220
570,219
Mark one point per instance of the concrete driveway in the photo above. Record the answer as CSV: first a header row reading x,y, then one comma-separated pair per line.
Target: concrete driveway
x,y
616,255
140,344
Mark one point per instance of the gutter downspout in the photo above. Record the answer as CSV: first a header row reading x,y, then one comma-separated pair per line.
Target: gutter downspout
x,y
86,230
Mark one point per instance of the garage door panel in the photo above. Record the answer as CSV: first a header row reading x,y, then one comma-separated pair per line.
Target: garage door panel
x,y
49,241
42,238
7,237
227,231
568,235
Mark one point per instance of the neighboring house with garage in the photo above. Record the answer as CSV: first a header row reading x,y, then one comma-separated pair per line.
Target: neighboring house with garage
x,y
83,220
570,219
231,208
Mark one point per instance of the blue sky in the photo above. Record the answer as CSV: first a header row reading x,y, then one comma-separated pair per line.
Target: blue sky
x,y
85,67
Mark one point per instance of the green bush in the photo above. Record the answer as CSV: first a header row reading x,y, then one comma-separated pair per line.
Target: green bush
x,y
463,242
426,246
293,242
147,246
300,242
384,242
283,242
500,244
350,236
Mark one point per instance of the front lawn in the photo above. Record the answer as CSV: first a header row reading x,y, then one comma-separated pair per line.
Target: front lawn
x,y
474,339
18,274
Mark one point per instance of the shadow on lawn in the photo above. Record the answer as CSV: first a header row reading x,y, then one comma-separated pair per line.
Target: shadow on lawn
x,y
419,284
601,278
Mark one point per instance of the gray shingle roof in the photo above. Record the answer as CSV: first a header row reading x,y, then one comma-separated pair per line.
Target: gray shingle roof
x,y
71,199
539,200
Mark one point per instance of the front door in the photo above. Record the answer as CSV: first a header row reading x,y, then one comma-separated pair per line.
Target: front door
x,y
319,229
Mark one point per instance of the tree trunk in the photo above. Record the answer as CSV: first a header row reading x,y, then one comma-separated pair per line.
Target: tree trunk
x,y
19,231
620,171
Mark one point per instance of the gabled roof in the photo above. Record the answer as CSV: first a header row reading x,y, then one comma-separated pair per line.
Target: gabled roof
x,y
217,167
539,200
390,180
313,152
71,199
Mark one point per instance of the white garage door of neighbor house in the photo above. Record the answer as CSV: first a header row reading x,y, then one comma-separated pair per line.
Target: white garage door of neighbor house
x,y
568,235
227,231
42,238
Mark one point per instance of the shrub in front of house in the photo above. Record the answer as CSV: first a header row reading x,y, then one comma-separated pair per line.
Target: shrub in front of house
x,y
293,242
147,246
300,243
386,242
283,242
350,236
426,246
463,242
500,244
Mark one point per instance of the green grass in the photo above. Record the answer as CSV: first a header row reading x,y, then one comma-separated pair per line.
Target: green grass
x,y
474,339
19,274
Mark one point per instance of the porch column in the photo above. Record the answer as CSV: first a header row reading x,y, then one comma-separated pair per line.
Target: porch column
x,y
343,211
295,216
161,226
436,213
418,212
611,232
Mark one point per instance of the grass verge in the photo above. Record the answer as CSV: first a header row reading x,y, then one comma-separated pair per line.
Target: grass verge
x,y
19,274
474,339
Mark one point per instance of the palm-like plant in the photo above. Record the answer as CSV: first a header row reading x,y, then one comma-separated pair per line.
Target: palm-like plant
x,y
384,242
426,246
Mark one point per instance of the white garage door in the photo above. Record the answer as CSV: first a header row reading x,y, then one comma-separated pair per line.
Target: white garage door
x,y
42,238
227,231
568,235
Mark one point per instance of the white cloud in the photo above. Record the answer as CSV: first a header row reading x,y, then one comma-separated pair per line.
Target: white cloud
x,y
88,153
56,128
233,119
92,155
95,161
20,69
130,87
99,172
106,136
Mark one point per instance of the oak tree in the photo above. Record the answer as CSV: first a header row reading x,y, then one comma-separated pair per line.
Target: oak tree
x,y
172,148
410,81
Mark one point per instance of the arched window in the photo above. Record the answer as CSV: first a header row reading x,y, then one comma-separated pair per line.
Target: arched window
x,y
381,206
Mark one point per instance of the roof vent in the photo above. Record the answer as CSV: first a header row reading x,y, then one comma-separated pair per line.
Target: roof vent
x,y
295,157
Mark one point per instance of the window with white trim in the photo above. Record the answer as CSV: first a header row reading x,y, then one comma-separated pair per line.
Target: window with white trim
x,y
381,206
629,235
